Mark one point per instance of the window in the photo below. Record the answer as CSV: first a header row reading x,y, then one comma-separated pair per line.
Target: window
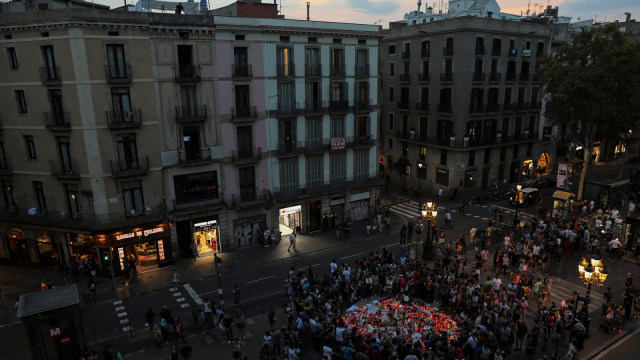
x,y
30,146
448,66
442,177
391,93
289,175
121,101
314,172
50,68
285,61
339,93
337,167
496,49
73,199
3,159
287,136
392,49
425,48
132,196
286,97
472,158
127,152
448,50
337,128
245,142
57,109
529,148
22,102
240,63
392,69
405,149
196,186
9,194
515,151
337,62
390,122
313,62
242,101
314,133
13,58
247,179
186,66
423,153
191,144
360,170
64,149
362,63
539,49
487,156
38,191
284,39
503,155
389,162
337,41
240,37
443,157
390,144
314,96
424,126
117,64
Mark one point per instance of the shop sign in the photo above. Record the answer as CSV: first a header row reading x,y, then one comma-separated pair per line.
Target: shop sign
x,y
562,175
291,210
336,202
206,223
139,233
360,196
54,331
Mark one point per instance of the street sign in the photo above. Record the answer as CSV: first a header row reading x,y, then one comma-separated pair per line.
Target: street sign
x,y
54,331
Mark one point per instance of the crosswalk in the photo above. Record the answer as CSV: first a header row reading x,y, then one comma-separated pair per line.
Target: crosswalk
x,y
411,210
563,290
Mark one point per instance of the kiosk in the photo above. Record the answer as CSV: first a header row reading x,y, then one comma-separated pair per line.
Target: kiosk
x,y
561,202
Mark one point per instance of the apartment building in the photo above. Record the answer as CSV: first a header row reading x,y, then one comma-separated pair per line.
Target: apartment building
x,y
134,135
461,102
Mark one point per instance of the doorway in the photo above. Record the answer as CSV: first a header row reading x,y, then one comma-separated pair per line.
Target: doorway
x,y
315,215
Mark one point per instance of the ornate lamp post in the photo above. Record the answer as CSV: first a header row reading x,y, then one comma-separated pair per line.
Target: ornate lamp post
x,y
518,199
591,271
429,211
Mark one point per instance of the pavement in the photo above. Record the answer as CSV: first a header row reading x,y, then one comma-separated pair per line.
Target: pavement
x,y
199,276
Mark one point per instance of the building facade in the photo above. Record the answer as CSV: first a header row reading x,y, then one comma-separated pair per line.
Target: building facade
x,y
461,103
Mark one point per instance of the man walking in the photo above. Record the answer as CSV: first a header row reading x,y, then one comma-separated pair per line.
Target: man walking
x,y
217,261
292,242
403,234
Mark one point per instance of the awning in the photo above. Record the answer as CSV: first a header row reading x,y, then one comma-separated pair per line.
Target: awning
x,y
563,195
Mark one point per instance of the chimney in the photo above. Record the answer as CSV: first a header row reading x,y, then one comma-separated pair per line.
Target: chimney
x,y
628,16
308,6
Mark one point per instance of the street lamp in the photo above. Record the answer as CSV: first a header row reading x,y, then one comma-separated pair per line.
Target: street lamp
x,y
429,211
591,271
518,199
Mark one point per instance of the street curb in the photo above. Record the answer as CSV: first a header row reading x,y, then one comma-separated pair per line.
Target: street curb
x,y
604,349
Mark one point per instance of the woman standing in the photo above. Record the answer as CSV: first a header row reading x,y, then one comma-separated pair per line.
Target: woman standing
x,y
240,324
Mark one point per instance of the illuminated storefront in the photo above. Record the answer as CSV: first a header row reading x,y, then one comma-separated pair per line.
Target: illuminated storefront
x,y
36,249
206,236
290,217
143,248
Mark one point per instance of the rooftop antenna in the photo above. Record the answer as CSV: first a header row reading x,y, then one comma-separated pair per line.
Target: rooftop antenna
x,y
308,6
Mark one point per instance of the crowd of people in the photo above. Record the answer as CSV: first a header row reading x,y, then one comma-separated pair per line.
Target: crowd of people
x,y
487,292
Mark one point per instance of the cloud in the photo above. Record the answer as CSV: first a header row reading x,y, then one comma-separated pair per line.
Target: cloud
x,y
588,9
373,7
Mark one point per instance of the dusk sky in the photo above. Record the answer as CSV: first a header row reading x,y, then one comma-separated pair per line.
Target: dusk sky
x,y
373,11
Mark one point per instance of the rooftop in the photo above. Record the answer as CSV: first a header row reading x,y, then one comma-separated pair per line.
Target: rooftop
x,y
43,301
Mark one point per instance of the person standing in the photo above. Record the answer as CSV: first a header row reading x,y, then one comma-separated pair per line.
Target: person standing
x,y
271,316
179,329
440,191
236,294
217,261
292,242
179,9
403,234
186,351
472,235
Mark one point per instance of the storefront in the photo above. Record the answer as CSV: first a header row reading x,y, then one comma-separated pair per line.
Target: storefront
x,y
528,169
145,248
337,209
41,250
544,164
360,206
206,235
289,219
561,200
83,247
315,215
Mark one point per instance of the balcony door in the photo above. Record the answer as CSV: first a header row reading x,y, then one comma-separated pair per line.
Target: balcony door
x,y
127,152
64,150
245,141
133,199
73,198
314,132
287,130
191,140
240,61
121,105
50,66
247,179
185,61
242,100
57,108
117,65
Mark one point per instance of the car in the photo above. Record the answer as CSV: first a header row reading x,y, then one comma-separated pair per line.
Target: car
x,y
526,196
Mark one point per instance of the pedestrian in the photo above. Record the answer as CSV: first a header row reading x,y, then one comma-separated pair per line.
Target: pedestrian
x,y
240,324
179,329
403,234
175,278
292,242
267,237
175,353
186,351
107,354
164,329
194,250
236,294
237,352
271,316
228,328
440,191
217,261
150,317
179,9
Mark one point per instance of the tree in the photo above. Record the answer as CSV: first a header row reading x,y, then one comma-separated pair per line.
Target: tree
x,y
592,85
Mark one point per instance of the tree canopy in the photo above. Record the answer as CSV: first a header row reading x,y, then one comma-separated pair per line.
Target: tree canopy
x,y
593,84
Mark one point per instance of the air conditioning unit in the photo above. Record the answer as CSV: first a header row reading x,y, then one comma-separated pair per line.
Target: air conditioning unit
x,y
77,215
12,209
132,212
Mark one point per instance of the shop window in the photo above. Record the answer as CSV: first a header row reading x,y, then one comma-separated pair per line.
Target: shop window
x,y
81,247
196,186
133,200
442,177
205,234
470,178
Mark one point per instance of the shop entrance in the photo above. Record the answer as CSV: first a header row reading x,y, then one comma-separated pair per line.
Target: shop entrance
x,y
527,169
315,215
290,220
337,210
205,235
544,164
142,256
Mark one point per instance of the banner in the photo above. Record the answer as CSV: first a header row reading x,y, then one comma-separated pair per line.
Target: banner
x,y
562,175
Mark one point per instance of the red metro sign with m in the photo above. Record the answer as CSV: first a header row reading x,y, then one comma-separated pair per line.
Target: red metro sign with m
x,y
55,331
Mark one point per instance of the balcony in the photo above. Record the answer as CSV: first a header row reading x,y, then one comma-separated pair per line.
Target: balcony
x,y
536,105
425,53
84,220
495,51
424,77
476,108
197,204
337,70
286,70
118,76
241,71
317,145
422,106
450,141
64,170
447,51
127,167
362,70
403,105
511,77
525,77
50,76
290,148
509,107
444,108
57,120
289,109
523,106
339,106
191,114
492,108
405,77
313,70
446,77
406,55
479,50
478,77
360,142
315,108
5,166
244,114
194,157
318,187
362,106
494,77
250,199
246,156
189,73
118,120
